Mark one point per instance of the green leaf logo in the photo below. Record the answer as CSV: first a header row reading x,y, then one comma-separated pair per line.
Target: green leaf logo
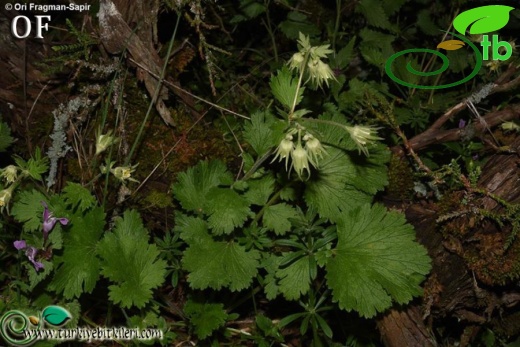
x,y
55,315
482,19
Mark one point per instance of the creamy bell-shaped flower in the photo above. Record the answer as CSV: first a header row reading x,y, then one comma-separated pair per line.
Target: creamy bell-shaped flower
x,y
296,61
363,135
10,173
300,160
5,197
319,72
105,141
315,150
284,150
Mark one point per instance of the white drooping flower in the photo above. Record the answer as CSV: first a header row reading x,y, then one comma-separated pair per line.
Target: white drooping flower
x,y
297,61
315,150
284,149
5,197
362,136
105,141
319,72
10,173
300,160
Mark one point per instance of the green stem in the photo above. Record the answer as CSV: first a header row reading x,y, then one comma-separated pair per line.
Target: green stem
x,y
299,85
256,165
323,121
239,302
336,25
270,30
273,199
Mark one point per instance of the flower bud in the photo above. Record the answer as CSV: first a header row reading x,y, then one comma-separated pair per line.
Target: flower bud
x,y
124,173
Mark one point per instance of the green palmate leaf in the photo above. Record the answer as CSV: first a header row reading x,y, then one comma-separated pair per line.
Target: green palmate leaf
x,y
192,229
376,39
328,191
277,218
345,55
344,165
252,8
259,133
284,86
375,14
373,55
369,174
194,184
294,280
392,6
459,60
297,23
376,261
75,276
271,263
426,24
29,210
36,277
131,262
226,210
483,19
76,195
260,190
220,264
5,136
37,165
356,94
205,317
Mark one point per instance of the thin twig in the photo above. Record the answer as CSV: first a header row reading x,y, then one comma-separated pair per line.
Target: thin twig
x,y
172,85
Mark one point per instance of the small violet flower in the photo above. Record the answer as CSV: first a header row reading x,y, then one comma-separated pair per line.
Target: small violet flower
x,y
30,252
49,221
462,123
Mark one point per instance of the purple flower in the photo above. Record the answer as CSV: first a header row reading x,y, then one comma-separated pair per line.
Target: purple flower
x,y
49,221
462,123
30,252
20,244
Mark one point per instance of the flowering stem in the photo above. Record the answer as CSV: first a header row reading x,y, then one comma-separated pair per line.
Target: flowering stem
x,y
324,121
271,201
256,165
299,85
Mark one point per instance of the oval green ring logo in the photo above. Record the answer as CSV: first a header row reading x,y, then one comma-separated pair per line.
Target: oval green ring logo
x,y
444,67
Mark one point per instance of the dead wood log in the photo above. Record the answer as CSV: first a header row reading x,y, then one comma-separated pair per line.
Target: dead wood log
x,y
471,266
